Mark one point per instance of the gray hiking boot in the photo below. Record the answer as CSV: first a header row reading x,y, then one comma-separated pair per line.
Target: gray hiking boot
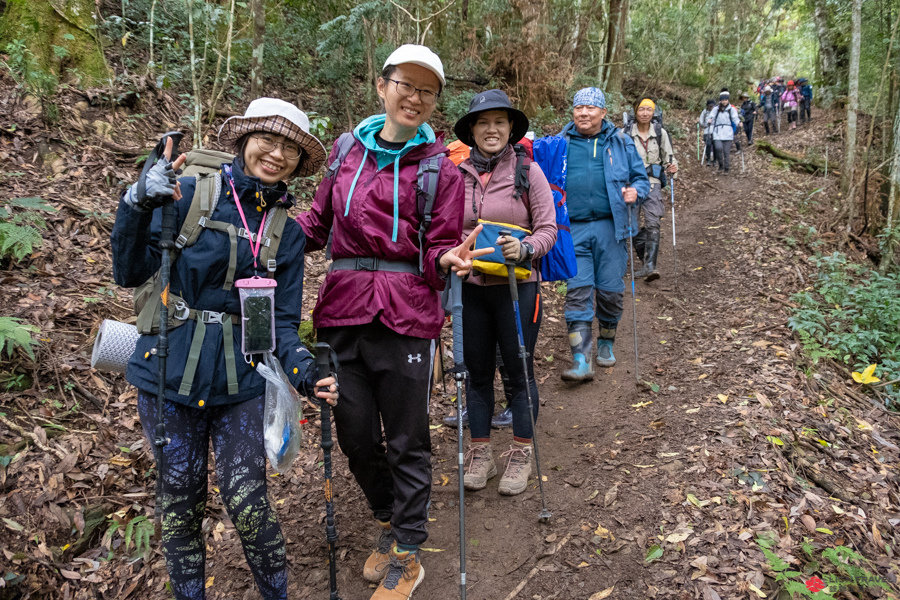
x,y
480,466
518,469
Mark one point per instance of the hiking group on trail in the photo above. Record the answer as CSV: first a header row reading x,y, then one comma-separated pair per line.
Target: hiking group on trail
x,y
401,222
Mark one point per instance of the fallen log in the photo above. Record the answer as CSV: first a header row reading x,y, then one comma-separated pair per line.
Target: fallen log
x,y
797,163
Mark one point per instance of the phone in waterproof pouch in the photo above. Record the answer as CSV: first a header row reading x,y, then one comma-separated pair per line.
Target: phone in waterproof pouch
x,y
257,314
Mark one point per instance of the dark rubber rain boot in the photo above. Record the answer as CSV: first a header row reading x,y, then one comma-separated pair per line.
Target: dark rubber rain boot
x,y
605,356
580,341
648,271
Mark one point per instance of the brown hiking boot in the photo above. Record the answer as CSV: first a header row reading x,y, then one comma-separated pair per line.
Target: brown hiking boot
x,y
404,575
515,479
377,563
480,466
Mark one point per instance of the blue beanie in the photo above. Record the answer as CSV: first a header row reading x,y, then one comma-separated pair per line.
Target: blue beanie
x,y
589,96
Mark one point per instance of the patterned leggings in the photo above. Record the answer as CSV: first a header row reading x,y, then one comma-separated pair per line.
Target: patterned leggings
x,y
237,435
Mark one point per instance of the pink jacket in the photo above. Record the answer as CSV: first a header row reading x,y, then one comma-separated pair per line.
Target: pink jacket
x,y
497,202
789,98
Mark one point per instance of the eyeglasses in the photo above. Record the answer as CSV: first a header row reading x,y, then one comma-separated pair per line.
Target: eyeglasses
x,y
290,150
406,90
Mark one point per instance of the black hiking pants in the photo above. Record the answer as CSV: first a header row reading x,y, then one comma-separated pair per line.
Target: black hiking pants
x,y
236,431
385,382
488,321
748,129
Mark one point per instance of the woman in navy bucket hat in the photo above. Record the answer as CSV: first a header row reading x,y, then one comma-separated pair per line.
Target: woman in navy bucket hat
x,y
491,127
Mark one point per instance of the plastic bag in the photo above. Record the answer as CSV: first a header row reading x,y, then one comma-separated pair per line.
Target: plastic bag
x,y
282,432
257,314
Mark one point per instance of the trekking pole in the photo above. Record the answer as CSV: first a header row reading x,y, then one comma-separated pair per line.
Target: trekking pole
x,y
166,246
698,141
545,514
326,361
637,375
460,374
674,247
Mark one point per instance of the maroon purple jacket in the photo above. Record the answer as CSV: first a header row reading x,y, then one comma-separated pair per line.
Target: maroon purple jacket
x,y
408,304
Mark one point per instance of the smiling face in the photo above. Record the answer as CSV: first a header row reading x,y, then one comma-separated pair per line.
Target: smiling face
x,y
491,131
588,119
404,114
266,156
644,114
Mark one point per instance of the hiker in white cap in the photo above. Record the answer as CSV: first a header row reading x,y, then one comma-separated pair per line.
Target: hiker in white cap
x,y
210,395
394,203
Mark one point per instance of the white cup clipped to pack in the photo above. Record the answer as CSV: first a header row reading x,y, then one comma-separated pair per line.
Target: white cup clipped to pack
x,y
257,314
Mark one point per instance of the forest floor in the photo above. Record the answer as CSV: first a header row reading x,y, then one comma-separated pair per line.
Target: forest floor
x,y
670,488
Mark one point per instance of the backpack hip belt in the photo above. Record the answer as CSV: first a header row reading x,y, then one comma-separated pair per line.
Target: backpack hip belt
x,y
204,317
370,263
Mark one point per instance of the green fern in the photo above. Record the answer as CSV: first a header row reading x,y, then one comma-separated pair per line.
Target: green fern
x,y
15,334
20,234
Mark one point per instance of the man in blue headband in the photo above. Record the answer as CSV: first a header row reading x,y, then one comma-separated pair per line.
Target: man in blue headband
x,y
605,178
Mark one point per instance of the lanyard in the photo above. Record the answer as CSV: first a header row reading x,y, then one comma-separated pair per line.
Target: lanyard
x,y
259,236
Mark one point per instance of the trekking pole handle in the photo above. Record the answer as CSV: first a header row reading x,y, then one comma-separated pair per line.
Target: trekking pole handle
x,y
456,308
327,366
511,270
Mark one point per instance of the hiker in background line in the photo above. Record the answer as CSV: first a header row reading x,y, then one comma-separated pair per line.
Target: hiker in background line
x,y
724,121
491,127
379,307
790,100
223,399
748,113
806,96
778,89
606,176
703,121
655,147
769,107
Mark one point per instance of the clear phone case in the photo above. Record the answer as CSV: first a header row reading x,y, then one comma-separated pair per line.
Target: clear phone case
x,y
257,314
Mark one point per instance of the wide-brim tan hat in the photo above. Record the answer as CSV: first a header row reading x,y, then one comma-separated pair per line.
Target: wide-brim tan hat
x,y
281,118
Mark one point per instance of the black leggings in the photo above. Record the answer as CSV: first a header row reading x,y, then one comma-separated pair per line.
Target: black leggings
x,y
489,320
792,115
236,431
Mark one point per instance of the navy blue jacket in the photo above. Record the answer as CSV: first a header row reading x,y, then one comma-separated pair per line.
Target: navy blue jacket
x,y
198,276
622,167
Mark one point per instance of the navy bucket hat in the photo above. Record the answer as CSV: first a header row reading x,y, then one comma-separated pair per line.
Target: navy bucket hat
x,y
491,100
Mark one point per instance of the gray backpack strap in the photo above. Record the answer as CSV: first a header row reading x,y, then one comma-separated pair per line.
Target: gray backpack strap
x,y
272,239
206,195
344,144
426,189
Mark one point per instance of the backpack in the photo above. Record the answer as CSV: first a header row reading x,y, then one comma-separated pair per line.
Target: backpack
x,y
558,264
426,188
204,166
656,121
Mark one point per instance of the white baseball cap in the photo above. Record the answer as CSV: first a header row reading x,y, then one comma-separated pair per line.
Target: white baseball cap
x,y
417,55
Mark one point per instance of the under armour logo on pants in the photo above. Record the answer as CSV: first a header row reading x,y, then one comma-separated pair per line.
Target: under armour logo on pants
x,y
417,358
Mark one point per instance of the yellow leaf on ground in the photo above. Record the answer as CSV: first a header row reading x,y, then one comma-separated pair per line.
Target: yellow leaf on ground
x,y
444,480
756,590
722,398
210,581
603,594
430,549
583,565
867,376
642,404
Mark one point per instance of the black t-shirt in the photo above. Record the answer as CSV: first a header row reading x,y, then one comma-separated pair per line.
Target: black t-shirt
x,y
388,145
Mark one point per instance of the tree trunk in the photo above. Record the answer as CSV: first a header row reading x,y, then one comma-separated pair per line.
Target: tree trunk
x,y
829,78
66,24
615,48
893,213
852,106
258,12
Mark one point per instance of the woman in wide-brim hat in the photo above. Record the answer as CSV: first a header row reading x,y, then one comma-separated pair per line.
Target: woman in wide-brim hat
x,y
491,127
210,395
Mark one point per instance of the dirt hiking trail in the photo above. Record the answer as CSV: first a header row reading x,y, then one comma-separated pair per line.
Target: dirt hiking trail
x,y
658,490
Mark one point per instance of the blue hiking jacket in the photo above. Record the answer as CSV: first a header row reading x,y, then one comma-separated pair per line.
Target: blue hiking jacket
x,y
198,276
622,167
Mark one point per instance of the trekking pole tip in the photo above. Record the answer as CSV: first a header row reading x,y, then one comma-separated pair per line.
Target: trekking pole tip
x,y
545,515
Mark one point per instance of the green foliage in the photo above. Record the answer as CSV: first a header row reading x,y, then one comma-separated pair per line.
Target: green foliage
x,y
20,231
31,78
843,573
851,316
16,334
139,530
